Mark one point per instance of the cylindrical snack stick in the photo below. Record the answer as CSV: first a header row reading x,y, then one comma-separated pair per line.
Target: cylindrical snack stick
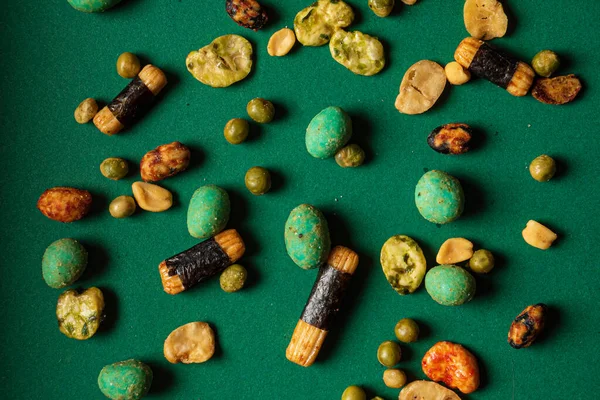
x,y
133,101
489,63
201,262
322,306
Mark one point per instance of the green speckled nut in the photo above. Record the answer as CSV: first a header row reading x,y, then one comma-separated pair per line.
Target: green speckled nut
x,y
125,380
307,238
93,6
63,263
439,197
208,212
450,285
328,132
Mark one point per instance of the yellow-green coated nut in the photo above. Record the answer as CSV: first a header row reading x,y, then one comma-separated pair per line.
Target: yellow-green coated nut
x,y
381,8
79,314
261,110
85,111
233,278
482,261
350,156
360,53
122,207
545,63
315,24
403,264
128,65
114,168
258,180
236,130
542,168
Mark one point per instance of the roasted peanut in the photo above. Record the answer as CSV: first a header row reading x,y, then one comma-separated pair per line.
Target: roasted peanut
x,y
152,197
559,90
247,13
527,326
452,364
86,110
450,138
281,42
456,74
190,343
164,161
537,235
65,204
454,251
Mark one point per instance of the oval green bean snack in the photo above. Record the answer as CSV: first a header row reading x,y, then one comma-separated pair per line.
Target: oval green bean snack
x,y
63,263
208,212
307,238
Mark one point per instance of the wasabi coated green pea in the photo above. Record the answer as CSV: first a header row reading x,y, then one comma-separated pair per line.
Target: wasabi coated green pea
x,y
128,65
236,130
258,180
381,8
114,168
542,168
260,110
122,207
389,354
407,330
354,393
350,156
233,278
482,261
545,63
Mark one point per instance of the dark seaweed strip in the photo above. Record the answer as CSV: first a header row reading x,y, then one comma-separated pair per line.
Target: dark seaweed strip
x,y
132,102
325,299
198,263
493,65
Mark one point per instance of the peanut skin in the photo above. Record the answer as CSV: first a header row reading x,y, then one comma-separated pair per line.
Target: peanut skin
x,y
65,204
452,364
164,161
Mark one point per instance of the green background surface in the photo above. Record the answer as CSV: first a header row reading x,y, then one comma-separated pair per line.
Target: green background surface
x,y
53,57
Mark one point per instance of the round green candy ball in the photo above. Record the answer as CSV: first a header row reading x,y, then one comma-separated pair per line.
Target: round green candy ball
x,y
233,278
125,380
545,63
450,285
63,263
439,197
261,110
542,168
114,168
93,6
407,330
236,130
389,354
354,393
258,180
482,261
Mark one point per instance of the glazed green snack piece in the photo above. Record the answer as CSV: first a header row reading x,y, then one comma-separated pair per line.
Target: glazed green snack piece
x,y
450,285
545,63
128,65
225,61
261,110
328,131
125,380
403,264
350,156
236,130
93,6
439,197
407,330
482,261
233,278
389,354
122,207
381,8
208,212
307,238
258,180
63,263
79,314
114,168
542,168
354,393
315,25
360,53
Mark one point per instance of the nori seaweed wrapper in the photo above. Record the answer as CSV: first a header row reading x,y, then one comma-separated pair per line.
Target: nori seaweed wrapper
x,y
326,297
493,65
132,102
198,263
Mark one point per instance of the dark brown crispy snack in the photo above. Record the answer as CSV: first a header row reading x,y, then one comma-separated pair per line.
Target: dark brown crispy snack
x,y
558,90
527,326
65,204
164,161
247,13
450,138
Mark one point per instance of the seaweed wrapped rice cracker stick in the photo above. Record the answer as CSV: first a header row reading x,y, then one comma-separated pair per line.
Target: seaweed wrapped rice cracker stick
x,y
201,262
489,63
133,101
322,306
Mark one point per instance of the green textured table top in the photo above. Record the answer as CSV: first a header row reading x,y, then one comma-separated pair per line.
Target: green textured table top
x,y
54,56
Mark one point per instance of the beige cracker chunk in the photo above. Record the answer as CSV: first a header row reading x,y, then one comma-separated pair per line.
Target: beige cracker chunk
x,y
426,390
421,87
190,343
537,235
454,251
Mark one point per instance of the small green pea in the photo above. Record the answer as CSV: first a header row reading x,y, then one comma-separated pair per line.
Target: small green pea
x,y
542,168
350,156
482,261
407,330
114,168
258,180
233,278
260,110
128,65
122,207
389,354
545,63
236,130
354,393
